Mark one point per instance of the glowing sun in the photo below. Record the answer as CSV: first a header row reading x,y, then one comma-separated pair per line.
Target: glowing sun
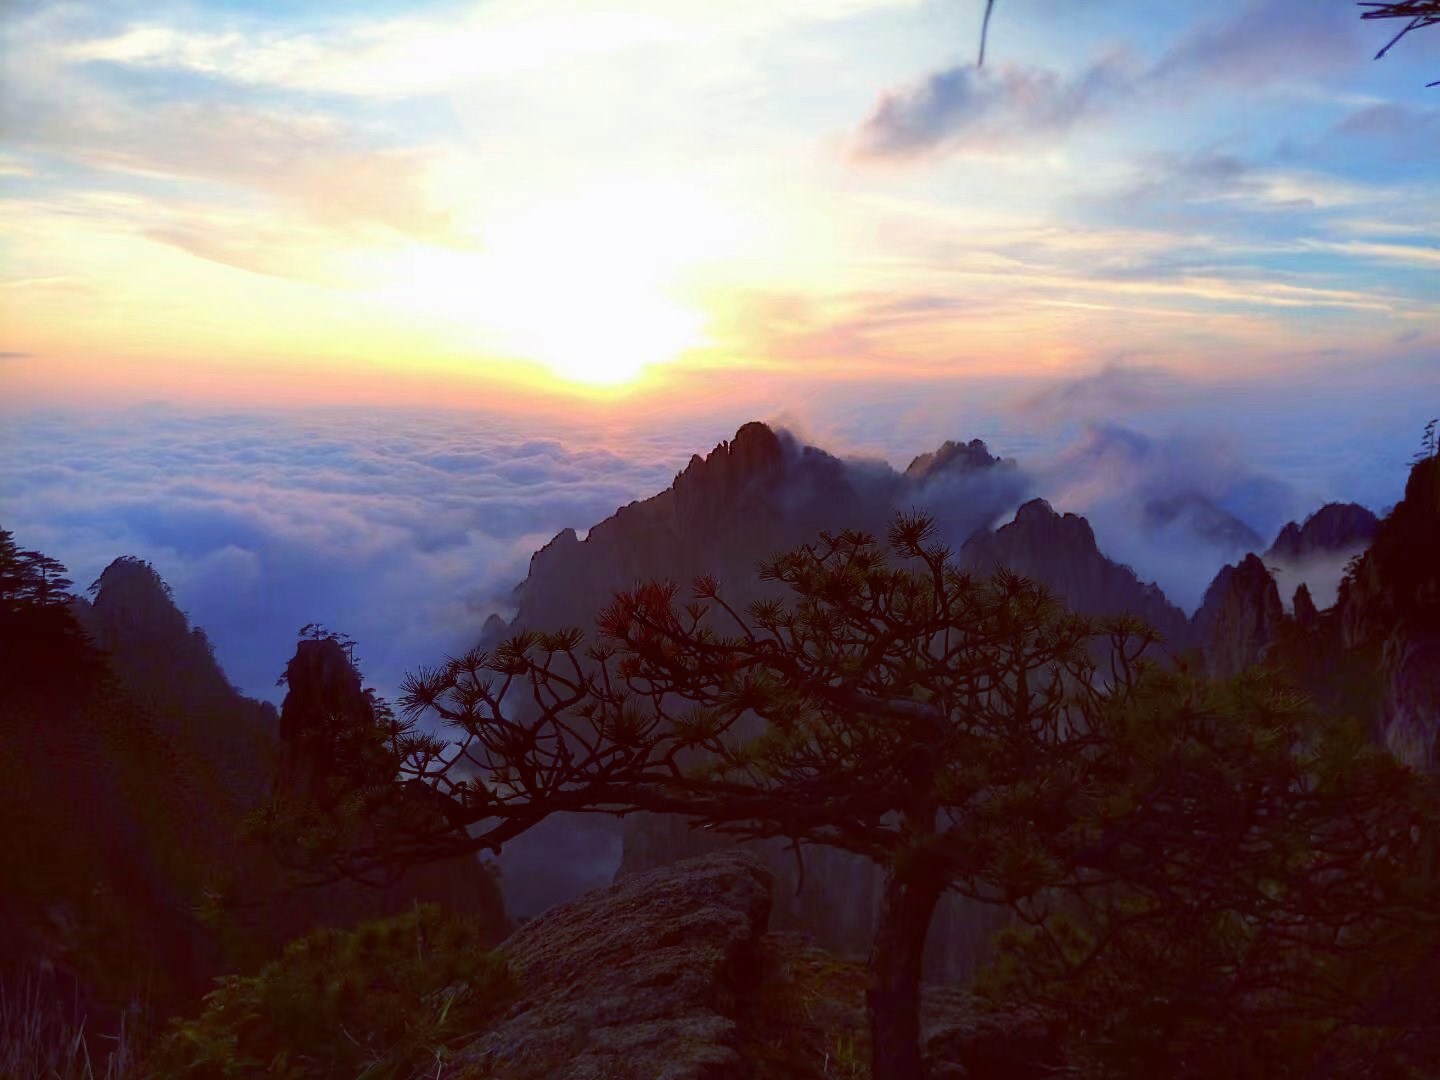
x,y
588,286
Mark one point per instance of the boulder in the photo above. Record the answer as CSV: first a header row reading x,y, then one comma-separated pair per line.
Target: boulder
x,y
644,978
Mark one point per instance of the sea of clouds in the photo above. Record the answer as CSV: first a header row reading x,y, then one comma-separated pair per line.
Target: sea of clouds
x,y
403,531
406,530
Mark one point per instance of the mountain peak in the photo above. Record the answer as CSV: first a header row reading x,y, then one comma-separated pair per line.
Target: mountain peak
x,y
325,697
1059,551
755,455
951,455
755,439
1043,522
1203,517
1334,528
130,594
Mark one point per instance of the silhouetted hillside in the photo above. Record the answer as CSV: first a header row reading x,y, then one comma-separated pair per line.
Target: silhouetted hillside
x,y
116,821
132,764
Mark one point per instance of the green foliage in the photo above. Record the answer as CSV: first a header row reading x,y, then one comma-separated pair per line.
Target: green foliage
x,y
1257,895
389,999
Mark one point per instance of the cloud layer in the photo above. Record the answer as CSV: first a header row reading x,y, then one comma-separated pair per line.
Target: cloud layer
x,y
406,529
402,531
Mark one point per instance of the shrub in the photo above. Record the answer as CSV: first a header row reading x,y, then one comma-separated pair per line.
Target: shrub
x,y
388,999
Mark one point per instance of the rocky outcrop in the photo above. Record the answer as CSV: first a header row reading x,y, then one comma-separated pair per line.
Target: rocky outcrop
x,y
645,978
1240,618
951,458
327,724
1303,607
1059,552
324,697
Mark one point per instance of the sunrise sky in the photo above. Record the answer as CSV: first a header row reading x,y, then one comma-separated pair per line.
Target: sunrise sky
x,y
337,311
380,201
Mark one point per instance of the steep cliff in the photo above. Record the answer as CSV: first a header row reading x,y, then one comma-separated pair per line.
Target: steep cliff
x,y
1239,619
1389,607
326,720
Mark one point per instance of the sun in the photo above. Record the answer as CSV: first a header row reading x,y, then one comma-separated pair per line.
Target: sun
x,y
590,286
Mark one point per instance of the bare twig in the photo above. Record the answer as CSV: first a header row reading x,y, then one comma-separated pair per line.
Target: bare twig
x,y
1417,15
985,31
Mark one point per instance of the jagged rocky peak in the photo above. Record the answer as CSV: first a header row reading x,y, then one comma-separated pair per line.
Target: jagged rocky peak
x,y
324,694
1239,618
1038,535
756,453
1059,551
1334,528
131,596
322,680
952,457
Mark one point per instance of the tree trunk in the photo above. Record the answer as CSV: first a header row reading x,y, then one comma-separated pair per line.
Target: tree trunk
x,y
892,998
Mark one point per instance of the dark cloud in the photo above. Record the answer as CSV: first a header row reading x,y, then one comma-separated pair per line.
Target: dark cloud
x,y
15,355
1115,389
984,109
